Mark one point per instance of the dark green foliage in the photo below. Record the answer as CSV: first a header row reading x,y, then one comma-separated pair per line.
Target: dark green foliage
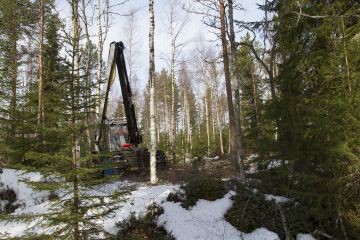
x,y
17,20
10,196
317,113
143,228
48,148
251,210
199,188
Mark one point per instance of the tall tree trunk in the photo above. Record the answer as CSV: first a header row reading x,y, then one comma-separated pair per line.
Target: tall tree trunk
x,y
234,129
41,108
74,103
99,56
153,177
173,110
14,37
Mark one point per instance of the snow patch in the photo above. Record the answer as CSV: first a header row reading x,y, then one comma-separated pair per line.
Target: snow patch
x,y
277,199
206,220
37,202
139,200
260,234
301,236
211,158
26,197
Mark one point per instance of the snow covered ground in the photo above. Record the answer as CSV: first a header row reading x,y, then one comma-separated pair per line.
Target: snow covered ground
x,y
205,220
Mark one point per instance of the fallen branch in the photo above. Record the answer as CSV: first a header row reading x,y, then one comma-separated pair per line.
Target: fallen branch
x,y
320,233
283,221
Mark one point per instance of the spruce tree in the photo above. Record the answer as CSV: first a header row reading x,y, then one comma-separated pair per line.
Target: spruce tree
x,y
318,111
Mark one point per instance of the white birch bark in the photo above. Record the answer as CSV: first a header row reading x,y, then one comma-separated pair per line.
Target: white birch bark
x,y
153,177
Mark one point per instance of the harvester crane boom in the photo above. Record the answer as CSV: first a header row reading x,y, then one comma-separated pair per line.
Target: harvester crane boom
x,y
116,59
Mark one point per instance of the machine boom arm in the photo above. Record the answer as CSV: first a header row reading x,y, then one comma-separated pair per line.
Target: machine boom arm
x,y
116,59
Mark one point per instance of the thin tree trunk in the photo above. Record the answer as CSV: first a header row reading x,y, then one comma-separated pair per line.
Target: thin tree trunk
x,y
173,112
188,125
220,130
345,53
41,108
153,177
207,120
255,104
212,117
14,37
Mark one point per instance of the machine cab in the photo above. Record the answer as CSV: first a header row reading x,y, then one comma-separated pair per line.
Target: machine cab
x,y
118,134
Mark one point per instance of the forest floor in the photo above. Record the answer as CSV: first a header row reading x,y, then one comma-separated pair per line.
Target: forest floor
x,y
216,168
202,215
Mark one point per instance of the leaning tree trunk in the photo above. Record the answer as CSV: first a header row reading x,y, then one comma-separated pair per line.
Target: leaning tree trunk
x,y
153,177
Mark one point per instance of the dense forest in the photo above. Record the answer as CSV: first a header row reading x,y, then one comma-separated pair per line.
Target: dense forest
x,y
277,98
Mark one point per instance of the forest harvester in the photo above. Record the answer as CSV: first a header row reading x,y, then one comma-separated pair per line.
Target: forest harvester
x,y
117,140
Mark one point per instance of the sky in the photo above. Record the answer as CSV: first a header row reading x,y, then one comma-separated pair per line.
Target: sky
x,y
192,31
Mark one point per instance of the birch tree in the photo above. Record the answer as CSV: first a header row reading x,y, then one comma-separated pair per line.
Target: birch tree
x,y
132,44
102,14
153,177
175,27
87,77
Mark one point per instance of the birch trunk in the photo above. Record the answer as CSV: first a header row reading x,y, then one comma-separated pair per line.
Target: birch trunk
x,y
153,177
99,57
